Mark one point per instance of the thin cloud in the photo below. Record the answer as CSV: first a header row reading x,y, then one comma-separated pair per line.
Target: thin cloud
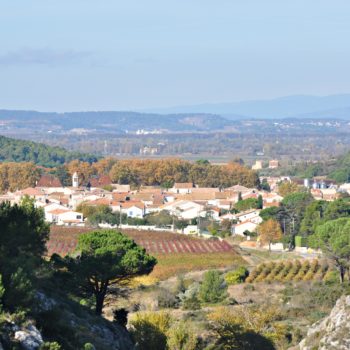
x,y
43,56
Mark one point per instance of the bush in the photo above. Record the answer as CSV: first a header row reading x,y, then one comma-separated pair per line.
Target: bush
x,y
167,299
237,276
300,241
213,288
189,299
50,346
120,316
149,330
20,291
182,337
331,277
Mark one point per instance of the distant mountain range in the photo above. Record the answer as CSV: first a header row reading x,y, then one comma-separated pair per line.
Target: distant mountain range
x,y
112,122
297,106
200,118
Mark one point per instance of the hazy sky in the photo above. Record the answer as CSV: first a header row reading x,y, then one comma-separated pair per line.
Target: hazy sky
x,y
67,55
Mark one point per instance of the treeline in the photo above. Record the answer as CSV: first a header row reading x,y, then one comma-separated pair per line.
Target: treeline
x,y
165,172
12,150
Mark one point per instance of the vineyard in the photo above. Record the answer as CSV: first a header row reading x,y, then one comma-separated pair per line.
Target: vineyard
x,y
63,241
175,253
290,271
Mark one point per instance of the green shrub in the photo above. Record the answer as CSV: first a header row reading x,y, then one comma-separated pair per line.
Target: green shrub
x,y
237,276
213,288
50,346
331,277
300,241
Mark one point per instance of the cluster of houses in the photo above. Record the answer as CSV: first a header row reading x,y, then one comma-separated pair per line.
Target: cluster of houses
x,y
184,200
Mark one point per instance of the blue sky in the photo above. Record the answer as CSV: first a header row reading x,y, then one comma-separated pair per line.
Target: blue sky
x,y
69,55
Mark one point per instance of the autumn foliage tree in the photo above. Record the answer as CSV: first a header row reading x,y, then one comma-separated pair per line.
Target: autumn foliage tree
x,y
168,171
15,176
269,232
287,187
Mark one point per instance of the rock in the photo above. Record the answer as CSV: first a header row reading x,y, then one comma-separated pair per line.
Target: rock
x,y
29,337
331,333
45,303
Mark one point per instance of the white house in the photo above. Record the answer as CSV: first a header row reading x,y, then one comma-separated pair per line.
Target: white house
x,y
66,217
49,210
184,209
240,228
249,215
133,210
182,187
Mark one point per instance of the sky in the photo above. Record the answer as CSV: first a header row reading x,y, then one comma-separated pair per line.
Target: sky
x,y
77,55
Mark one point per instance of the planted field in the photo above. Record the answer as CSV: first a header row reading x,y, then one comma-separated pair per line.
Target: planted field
x,y
289,271
63,240
175,253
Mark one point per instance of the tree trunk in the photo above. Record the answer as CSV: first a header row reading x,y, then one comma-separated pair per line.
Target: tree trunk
x,y
342,273
270,247
100,297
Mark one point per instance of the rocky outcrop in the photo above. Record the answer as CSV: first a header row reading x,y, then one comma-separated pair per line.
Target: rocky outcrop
x,y
26,336
331,333
29,337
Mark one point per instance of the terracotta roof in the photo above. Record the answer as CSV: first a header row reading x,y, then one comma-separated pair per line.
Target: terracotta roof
x,y
100,201
183,185
103,180
132,204
120,196
48,180
30,191
58,211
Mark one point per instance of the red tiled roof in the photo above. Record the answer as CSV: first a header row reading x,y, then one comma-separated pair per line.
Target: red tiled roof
x,y
49,181
103,180
183,185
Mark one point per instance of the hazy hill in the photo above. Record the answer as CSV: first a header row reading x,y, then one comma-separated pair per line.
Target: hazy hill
x,y
291,106
12,150
113,121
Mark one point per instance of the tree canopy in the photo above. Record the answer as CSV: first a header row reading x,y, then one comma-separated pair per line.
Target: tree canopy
x,y
12,150
107,257
269,232
333,237
23,235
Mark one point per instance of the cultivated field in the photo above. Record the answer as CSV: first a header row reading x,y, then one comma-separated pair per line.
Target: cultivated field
x,y
175,253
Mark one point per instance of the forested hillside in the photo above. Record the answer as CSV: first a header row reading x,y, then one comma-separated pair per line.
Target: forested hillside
x,y
337,169
12,150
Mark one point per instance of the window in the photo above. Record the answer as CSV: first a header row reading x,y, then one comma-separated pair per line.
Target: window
x,y
78,217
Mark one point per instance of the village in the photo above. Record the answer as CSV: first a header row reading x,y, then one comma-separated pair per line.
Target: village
x,y
184,201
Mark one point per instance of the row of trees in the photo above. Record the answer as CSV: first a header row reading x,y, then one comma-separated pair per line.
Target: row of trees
x,y
165,172
135,172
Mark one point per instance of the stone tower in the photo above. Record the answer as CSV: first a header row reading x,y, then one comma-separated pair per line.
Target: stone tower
x,y
75,180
